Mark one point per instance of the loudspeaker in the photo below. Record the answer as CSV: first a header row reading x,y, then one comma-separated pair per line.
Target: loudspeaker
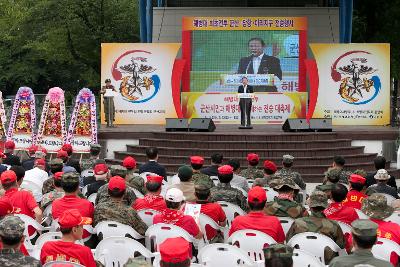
x,y
201,125
295,125
175,125
321,125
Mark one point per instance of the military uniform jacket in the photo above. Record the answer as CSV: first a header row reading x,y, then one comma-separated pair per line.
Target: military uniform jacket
x,y
225,192
102,195
136,182
360,256
48,198
252,173
88,164
295,176
11,258
284,208
203,179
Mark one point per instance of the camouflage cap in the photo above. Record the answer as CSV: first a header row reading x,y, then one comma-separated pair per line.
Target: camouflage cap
x,y
137,262
39,155
56,161
201,187
285,181
333,174
70,178
318,199
118,170
12,227
287,158
278,251
325,187
376,207
364,227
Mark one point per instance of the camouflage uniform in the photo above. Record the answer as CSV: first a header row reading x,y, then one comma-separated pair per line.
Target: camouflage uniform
x,y
265,181
137,262
295,176
114,210
13,227
318,223
118,170
135,181
335,175
48,185
344,176
201,178
224,192
252,173
102,195
50,197
277,251
88,164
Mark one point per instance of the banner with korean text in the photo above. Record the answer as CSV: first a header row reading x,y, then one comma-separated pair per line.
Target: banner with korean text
x,y
267,108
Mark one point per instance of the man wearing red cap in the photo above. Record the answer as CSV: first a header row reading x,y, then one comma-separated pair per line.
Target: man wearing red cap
x,y
133,179
197,163
115,210
269,171
355,196
29,163
224,191
10,159
57,193
101,175
71,161
257,219
71,226
175,252
153,199
21,199
38,176
252,172
63,155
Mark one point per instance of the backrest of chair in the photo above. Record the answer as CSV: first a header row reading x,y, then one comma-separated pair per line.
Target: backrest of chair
x,y
84,190
106,229
115,251
314,243
250,182
395,218
231,211
137,192
252,242
29,221
383,248
58,263
92,198
147,215
49,236
206,220
157,233
346,229
87,173
286,223
47,218
302,258
215,179
217,255
361,215
271,193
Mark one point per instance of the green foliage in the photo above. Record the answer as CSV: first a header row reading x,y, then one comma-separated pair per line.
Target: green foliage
x,y
47,43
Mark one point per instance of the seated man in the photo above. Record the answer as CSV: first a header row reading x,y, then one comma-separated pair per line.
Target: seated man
x,y
355,196
173,214
38,176
186,184
336,210
216,161
237,180
382,177
252,172
88,164
256,219
153,199
287,171
101,175
152,165
56,165
71,226
57,193
197,163
225,192
133,179
269,171
115,210
175,252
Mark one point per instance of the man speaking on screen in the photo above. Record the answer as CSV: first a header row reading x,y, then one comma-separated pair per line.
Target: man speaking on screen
x,y
260,63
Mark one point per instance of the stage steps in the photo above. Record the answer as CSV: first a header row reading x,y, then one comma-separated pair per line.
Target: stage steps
x,y
314,152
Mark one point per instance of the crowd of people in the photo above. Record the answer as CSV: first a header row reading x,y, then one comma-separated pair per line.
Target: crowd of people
x,y
65,184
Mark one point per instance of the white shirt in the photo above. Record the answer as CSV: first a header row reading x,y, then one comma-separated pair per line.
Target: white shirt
x,y
38,177
245,88
257,62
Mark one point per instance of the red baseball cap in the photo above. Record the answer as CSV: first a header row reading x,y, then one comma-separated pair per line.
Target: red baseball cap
x,y
155,179
197,160
57,176
72,217
8,177
62,154
40,162
257,194
44,150
174,250
9,144
67,147
100,169
355,178
117,182
270,166
253,157
129,162
32,149
225,169
5,207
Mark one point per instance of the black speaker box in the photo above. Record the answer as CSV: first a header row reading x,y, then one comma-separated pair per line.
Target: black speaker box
x,y
201,125
321,125
175,125
295,125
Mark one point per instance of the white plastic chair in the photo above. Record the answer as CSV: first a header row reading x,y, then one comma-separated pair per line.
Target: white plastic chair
x,y
43,238
147,215
250,182
271,193
115,251
383,248
302,258
217,255
115,229
157,233
315,244
286,223
33,223
205,220
84,190
361,215
47,218
92,198
52,263
395,218
137,192
87,173
231,211
346,229
252,242
215,179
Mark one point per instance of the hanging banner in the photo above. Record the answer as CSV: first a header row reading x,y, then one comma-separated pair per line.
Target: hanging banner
x,y
355,83
267,108
23,119
52,129
82,130
141,76
3,117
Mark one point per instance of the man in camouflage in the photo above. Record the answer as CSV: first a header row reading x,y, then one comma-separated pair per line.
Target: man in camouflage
x,y
283,205
129,196
269,174
287,171
318,223
339,162
58,192
279,254
88,164
252,172
197,163
137,262
225,192
364,234
56,165
133,179
114,210
12,236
